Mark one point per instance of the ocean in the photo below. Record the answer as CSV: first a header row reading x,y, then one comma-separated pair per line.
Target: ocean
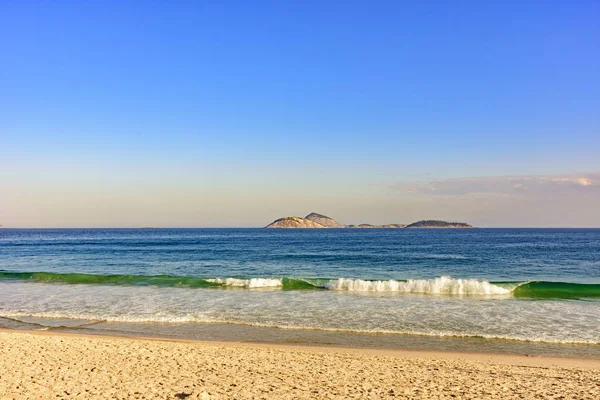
x,y
526,291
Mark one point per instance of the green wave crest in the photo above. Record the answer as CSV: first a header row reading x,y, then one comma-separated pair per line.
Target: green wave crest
x,y
531,289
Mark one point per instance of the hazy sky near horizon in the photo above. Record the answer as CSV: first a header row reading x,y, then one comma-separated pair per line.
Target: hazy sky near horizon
x,y
192,114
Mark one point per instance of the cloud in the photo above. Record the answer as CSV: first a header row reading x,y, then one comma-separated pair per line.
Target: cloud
x,y
506,185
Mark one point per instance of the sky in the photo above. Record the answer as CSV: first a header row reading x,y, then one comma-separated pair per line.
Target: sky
x,y
233,114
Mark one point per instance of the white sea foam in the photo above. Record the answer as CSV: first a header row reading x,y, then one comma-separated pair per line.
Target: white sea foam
x,y
443,285
247,283
497,316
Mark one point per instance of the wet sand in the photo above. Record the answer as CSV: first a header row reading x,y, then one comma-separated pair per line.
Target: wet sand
x,y
42,365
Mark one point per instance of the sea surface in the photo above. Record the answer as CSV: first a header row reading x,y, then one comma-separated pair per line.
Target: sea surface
x,y
502,290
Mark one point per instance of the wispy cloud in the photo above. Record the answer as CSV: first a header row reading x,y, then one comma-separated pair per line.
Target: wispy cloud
x,y
506,185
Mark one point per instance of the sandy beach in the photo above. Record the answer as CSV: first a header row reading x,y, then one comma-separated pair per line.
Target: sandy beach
x,y
43,365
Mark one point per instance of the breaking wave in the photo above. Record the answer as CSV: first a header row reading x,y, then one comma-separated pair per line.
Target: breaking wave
x,y
247,283
438,286
443,285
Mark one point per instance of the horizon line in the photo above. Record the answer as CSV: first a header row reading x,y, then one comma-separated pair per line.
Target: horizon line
x,y
291,229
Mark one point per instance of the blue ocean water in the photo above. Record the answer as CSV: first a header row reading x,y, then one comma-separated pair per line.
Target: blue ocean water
x,y
538,285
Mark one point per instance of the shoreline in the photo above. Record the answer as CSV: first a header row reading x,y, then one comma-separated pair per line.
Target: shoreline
x,y
500,358
63,365
231,332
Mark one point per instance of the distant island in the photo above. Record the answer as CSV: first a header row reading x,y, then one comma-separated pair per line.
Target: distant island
x,y
294,222
431,223
315,220
324,220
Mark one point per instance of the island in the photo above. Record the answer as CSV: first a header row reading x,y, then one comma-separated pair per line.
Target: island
x,y
324,220
320,221
294,222
430,223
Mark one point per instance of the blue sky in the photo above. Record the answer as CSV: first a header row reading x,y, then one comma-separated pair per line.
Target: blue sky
x,y
232,113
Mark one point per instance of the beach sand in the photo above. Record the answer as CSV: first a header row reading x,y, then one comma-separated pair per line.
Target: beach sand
x,y
48,365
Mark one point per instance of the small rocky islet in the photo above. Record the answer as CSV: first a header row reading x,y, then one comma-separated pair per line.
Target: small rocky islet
x,y
316,220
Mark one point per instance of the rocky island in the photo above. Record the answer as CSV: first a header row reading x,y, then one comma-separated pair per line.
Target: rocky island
x,y
315,220
438,224
294,222
324,220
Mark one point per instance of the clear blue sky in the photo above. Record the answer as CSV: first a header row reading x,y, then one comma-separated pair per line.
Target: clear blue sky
x,y
290,106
